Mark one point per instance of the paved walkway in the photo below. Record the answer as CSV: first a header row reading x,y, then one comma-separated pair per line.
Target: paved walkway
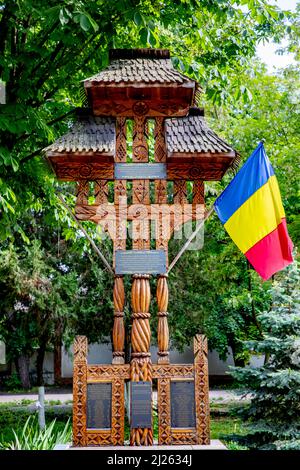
x,y
215,396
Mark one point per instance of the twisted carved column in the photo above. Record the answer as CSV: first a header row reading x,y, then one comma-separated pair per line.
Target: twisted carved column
x,y
141,367
118,328
162,295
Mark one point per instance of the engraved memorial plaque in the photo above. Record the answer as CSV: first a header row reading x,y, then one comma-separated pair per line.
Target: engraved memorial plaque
x,y
140,405
144,171
183,414
99,405
141,262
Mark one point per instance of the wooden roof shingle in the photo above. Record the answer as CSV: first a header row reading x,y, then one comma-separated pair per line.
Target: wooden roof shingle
x,y
88,134
191,134
136,66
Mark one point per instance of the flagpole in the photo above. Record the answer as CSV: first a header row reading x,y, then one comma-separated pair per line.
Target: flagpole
x,y
190,239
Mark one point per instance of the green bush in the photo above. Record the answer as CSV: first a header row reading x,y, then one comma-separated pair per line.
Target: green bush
x,y
13,382
14,417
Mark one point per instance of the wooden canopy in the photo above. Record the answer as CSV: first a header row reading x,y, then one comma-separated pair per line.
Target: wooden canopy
x,y
140,82
194,151
87,151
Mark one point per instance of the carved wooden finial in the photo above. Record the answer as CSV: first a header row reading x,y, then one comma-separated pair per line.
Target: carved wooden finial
x,y
80,349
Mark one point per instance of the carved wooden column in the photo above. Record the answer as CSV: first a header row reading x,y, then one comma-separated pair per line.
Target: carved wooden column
x,y
118,328
141,367
79,390
201,389
162,295
120,190
140,187
82,193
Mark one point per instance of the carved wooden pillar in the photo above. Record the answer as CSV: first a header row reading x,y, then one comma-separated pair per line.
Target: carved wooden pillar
x,y
140,188
118,328
79,390
120,190
141,367
162,295
201,389
82,193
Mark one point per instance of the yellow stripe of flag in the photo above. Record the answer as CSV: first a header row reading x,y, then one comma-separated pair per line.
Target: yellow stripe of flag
x,y
257,217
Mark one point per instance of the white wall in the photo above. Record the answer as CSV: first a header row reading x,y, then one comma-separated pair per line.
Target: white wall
x,y
102,354
2,353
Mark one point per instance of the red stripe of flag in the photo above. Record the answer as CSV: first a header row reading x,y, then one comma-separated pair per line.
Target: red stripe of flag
x,y
272,253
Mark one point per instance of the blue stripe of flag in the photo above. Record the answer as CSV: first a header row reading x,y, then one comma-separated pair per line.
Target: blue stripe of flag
x,y
254,173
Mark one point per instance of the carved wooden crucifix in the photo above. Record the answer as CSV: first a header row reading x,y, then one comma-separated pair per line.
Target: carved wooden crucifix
x,y
138,193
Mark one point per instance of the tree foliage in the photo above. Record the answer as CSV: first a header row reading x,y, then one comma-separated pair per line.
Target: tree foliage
x,y
46,48
236,293
274,411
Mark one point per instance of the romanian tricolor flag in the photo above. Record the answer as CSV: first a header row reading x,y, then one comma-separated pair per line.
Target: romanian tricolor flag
x,y
250,208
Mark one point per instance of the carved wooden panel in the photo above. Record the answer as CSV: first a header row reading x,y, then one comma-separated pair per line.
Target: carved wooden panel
x,y
120,192
121,146
164,411
99,438
82,192
118,412
196,170
116,371
140,188
173,371
180,192
82,168
184,437
130,101
198,192
201,389
90,374
168,214
101,191
160,154
199,373
79,391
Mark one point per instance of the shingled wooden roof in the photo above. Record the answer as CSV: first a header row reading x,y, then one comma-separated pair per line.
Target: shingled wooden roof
x,y
88,134
133,66
191,134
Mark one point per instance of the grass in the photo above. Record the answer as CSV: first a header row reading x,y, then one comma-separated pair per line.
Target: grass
x,y
14,418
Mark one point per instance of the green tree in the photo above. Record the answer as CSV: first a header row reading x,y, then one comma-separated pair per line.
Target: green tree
x,y
215,290
274,411
47,299
46,48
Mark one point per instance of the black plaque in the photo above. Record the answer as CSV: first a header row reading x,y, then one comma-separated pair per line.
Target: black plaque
x,y
183,413
136,171
99,405
141,405
141,262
